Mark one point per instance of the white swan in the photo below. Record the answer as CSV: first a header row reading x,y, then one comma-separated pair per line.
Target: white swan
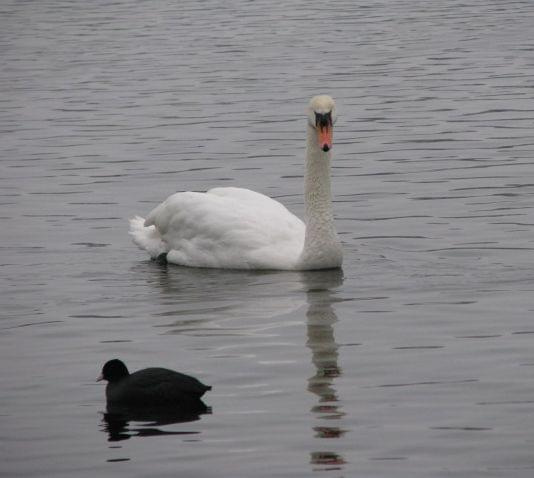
x,y
235,228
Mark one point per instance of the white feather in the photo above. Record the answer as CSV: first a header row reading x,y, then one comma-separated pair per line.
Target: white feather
x,y
237,228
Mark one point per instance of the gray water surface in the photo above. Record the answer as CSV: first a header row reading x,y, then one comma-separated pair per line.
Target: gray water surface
x,y
415,361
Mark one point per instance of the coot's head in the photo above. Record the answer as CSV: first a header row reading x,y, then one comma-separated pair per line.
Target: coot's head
x,y
113,371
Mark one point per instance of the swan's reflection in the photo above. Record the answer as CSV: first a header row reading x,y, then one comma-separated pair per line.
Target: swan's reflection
x,y
321,341
327,460
218,302
193,284
117,420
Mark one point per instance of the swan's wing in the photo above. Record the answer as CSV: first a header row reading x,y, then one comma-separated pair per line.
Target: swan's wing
x,y
228,227
257,200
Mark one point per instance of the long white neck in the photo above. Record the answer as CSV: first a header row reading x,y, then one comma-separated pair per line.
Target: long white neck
x,y
321,245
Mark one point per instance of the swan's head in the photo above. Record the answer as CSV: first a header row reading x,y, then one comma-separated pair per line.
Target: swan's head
x,y
322,116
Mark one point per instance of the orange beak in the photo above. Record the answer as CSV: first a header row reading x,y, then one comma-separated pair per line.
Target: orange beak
x,y
326,134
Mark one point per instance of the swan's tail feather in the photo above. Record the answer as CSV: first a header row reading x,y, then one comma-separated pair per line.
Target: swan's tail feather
x,y
147,238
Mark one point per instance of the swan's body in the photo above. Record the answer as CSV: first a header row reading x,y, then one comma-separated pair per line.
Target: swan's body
x,y
237,228
225,228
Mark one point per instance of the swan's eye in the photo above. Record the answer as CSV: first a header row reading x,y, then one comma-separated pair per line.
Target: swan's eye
x,y
323,120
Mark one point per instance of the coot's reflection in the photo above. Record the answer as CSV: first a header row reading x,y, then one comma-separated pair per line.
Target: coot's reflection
x,y
122,423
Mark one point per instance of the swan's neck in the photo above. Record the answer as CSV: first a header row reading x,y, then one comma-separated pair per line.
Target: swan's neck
x,y
317,195
321,245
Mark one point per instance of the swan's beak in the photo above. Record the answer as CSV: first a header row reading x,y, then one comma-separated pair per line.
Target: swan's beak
x,y
100,378
325,128
325,137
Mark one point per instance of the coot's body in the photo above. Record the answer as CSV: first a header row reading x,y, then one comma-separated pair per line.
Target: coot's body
x,y
150,387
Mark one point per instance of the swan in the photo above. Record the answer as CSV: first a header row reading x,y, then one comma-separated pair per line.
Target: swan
x,y
236,228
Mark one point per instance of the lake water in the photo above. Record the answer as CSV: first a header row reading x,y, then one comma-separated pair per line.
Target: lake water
x,y
416,361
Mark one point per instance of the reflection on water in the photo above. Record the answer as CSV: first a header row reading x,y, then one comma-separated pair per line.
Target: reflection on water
x,y
320,320
109,107
327,460
117,421
219,302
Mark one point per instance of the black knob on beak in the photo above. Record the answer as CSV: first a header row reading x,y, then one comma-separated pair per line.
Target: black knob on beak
x,y
323,120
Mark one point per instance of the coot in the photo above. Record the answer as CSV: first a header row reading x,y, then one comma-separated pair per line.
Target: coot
x,y
150,387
